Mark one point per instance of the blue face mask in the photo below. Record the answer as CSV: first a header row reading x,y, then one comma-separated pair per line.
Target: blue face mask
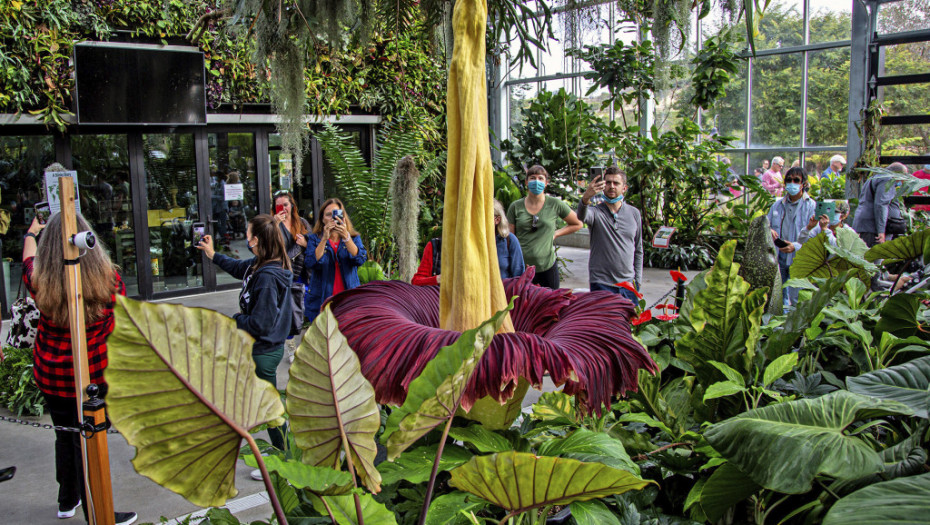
x,y
793,188
614,201
836,219
536,187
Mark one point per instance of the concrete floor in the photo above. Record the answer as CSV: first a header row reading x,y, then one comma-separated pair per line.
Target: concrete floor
x,y
30,497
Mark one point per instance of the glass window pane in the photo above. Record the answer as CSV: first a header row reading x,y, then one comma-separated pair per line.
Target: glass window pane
x,y
816,162
830,20
900,141
524,70
282,177
22,162
173,207
906,99
762,159
906,59
595,99
233,155
776,101
102,163
906,15
520,97
828,97
553,58
782,25
729,114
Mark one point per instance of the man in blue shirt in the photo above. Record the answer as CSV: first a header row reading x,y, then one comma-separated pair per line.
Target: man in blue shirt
x,y
788,217
837,162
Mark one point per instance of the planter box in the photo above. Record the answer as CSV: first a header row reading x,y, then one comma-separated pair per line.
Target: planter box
x,y
579,239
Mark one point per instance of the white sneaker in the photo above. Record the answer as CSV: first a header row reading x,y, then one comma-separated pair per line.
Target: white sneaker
x,y
64,513
256,475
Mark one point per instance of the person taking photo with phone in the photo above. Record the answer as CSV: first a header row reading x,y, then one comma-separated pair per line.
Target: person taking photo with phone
x,y
788,217
334,253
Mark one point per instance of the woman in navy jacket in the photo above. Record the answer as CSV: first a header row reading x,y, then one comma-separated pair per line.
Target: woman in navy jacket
x,y
334,253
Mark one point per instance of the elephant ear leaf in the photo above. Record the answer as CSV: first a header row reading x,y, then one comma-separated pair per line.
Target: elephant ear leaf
x,y
331,404
190,367
755,441
521,481
896,502
436,394
905,248
908,383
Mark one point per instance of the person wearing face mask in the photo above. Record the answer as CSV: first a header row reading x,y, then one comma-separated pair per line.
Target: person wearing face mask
x,y
788,217
828,225
878,217
334,253
533,219
616,235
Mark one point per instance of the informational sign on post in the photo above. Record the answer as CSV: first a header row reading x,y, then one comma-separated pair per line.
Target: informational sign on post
x,y
52,193
234,192
663,237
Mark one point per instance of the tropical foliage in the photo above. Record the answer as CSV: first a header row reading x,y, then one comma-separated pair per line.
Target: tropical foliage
x,y
18,391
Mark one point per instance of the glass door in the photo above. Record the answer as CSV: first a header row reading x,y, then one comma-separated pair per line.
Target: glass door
x,y
234,194
173,208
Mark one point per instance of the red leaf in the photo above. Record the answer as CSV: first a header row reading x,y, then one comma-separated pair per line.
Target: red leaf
x,y
667,317
642,318
678,276
393,327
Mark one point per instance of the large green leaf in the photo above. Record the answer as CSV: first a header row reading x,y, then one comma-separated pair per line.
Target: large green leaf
x,y
898,315
342,509
800,319
555,407
331,404
724,320
783,447
319,480
818,258
415,465
905,248
448,509
907,458
586,445
435,395
519,481
908,383
593,513
486,441
901,501
726,487
184,393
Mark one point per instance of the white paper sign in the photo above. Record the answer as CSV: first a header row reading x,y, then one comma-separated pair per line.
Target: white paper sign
x,y
663,237
234,192
52,193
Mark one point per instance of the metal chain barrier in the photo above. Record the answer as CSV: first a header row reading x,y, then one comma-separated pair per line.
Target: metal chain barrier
x,y
670,292
46,426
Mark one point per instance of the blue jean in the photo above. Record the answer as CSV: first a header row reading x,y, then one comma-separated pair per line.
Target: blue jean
x,y
790,294
599,287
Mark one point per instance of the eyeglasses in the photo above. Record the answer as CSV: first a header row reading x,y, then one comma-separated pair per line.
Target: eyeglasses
x,y
535,225
279,193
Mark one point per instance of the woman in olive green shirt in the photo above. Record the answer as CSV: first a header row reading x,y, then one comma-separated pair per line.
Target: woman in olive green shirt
x,y
532,220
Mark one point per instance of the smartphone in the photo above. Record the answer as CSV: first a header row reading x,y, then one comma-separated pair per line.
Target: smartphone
x,y
337,214
597,171
780,243
827,208
198,230
278,209
43,212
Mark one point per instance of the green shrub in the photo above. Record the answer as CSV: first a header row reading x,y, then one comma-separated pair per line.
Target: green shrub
x,y
18,390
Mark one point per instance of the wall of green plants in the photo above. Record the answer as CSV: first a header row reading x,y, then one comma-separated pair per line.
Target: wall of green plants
x,y
394,74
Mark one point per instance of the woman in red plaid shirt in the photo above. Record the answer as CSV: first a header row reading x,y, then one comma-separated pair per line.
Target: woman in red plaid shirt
x,y
44,275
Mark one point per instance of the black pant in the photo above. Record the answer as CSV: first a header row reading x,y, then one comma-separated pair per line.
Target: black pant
x,y
548,278
68,460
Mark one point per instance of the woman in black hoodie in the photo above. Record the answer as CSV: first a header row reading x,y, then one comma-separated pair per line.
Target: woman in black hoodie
x,y
265,301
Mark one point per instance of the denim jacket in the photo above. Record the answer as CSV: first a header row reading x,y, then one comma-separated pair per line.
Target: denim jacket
x,y
323,271
788,231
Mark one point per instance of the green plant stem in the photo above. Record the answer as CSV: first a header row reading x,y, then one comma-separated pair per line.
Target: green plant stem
x,y
275,504
435,472
543,514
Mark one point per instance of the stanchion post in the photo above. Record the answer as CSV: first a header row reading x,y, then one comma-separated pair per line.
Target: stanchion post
x,y
94,448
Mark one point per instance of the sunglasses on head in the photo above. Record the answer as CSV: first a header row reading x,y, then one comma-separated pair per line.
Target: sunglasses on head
x,y
280,193
535,225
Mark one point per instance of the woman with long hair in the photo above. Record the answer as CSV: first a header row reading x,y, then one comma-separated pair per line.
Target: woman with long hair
x,y
44,275
293,227
265,301
334,253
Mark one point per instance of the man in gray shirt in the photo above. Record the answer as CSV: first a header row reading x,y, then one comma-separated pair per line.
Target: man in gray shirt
x,y
616,235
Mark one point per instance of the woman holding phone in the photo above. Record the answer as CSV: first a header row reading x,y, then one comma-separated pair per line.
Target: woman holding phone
x,y
294,229
334,253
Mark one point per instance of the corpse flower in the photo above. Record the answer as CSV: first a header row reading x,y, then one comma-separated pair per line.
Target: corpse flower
x,y
581,340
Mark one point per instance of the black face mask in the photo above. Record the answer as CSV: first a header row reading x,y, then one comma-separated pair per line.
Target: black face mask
x,y
249,246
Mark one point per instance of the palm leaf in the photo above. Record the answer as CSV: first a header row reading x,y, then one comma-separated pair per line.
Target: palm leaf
x,y
901,501
520,481
331,404
812,429
184,393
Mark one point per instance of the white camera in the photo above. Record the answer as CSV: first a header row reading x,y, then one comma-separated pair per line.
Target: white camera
x,y
84,240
